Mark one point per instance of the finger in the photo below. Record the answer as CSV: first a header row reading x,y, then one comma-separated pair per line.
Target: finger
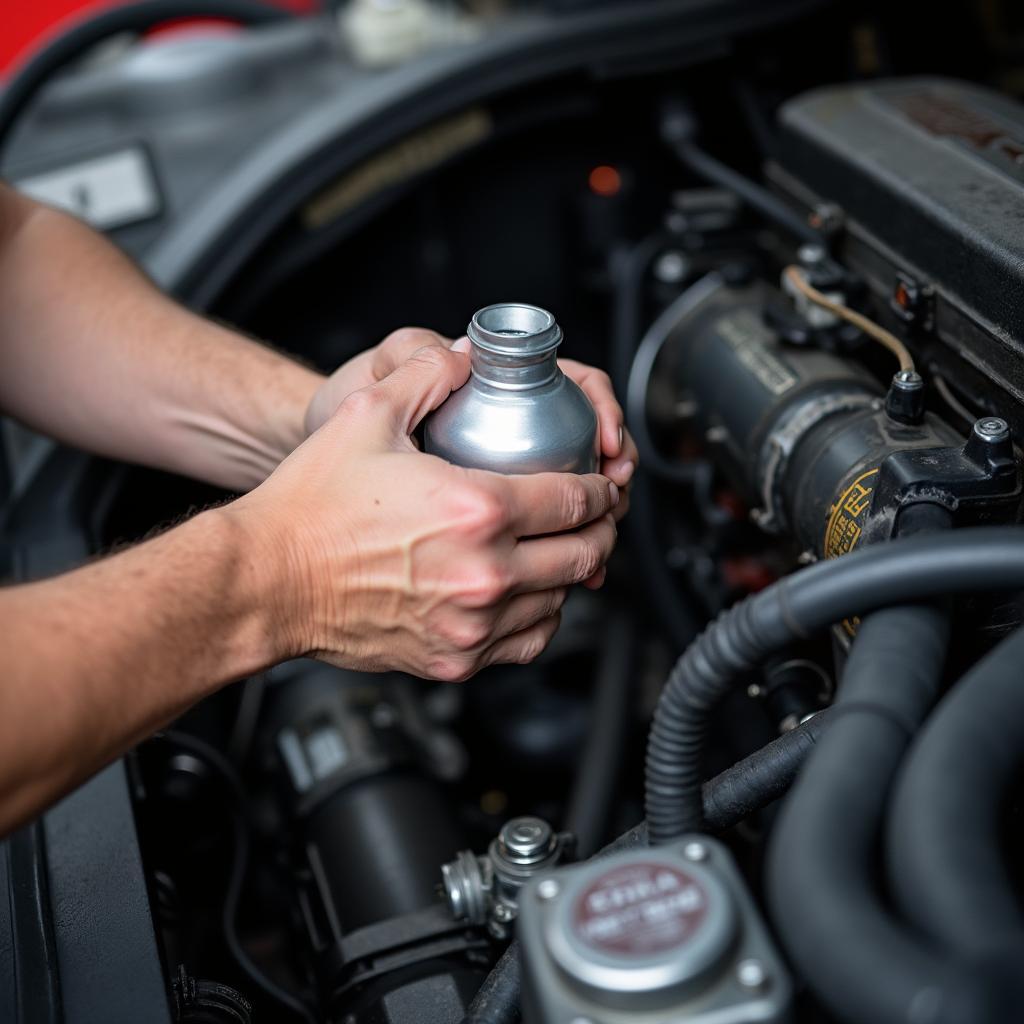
x,y
597,386
526,610
622,468
541,503
524,646
560,561
596,581
400,345
419,385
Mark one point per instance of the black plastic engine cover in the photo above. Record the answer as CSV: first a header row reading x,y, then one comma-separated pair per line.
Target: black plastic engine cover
x,y
930,175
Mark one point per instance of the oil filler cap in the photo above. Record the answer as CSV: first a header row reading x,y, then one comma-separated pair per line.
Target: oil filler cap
x,y
642,931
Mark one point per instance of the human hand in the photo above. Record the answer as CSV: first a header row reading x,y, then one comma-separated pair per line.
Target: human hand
x,y
618,452
387,558
619,455
367,368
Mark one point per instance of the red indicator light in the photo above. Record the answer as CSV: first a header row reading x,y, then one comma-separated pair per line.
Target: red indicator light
x,y
605,181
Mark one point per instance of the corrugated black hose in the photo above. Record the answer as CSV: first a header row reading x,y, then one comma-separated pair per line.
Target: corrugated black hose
x,y
983,558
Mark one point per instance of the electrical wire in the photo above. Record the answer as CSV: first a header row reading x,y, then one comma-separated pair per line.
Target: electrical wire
x,y
876,332
223,768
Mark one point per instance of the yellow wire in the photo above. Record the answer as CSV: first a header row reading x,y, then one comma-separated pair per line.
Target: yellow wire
x,y
869,327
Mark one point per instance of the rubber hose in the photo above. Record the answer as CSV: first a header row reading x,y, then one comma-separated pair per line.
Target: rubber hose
x,y
678,128
680,623
94,28
982,558
945,860
860,962
596,782
729,797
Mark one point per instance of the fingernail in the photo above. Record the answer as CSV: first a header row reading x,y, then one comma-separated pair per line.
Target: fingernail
x,y
628,469
614,492
620,437
461,345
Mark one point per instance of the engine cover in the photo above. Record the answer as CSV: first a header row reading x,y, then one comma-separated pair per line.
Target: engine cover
x,y
932,170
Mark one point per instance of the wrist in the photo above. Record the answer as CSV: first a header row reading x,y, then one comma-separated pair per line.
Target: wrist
x,y
258,615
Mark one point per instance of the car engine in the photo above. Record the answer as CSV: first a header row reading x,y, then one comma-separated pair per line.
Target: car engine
x,y
770,771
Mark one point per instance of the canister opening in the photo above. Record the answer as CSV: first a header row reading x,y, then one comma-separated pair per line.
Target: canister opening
x,y
514,328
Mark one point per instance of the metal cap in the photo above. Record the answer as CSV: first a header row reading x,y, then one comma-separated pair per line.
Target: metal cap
x,y
991,429
514,329
526,840
641,929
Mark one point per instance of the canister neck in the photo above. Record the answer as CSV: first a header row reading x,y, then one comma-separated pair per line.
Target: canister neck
x,y
514,345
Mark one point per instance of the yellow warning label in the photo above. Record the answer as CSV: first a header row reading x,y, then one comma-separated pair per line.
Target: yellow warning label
x,y
846,518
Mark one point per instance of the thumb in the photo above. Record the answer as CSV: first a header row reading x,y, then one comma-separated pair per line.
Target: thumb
x,y
419,385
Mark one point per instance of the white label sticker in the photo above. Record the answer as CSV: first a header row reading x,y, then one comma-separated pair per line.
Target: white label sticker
x,y
108,191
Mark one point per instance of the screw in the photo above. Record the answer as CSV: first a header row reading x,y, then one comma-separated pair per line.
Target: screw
x,y
991,429
548,889
695,851
526,840
751,974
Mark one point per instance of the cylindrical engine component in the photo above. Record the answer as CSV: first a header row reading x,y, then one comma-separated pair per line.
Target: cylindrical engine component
x,y
518,413
375,826
802,431
670,933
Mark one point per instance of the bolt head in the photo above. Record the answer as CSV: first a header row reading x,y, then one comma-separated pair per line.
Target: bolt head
x,y
696,852
992,429
526,840
752,975
548,889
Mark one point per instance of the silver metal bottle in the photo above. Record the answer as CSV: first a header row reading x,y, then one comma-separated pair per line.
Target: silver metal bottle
x,y
517,413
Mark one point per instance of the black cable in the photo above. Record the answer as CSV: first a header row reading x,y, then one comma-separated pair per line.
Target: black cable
x,y
983,558
678,129
216,761
93,28
629,269
692,473
597,775
947,868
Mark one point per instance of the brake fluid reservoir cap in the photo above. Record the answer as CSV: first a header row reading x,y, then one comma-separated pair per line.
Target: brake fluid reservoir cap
x,y
643,928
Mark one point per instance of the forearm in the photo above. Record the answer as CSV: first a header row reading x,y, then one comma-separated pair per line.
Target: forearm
x,y
99,658
91,353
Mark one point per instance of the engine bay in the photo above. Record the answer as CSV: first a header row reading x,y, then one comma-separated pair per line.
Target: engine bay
x,y
769,772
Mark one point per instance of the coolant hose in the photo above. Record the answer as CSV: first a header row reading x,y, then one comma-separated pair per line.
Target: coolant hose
x,y
821,879
982,558
947,869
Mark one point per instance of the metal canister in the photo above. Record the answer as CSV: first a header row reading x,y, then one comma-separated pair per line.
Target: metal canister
x,y
518,413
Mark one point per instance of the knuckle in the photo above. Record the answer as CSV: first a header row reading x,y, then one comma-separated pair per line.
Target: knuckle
x,y
575,502
409,338
450,669
487,585
432,356
360,404
482,510
465,634
534,645
589,558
